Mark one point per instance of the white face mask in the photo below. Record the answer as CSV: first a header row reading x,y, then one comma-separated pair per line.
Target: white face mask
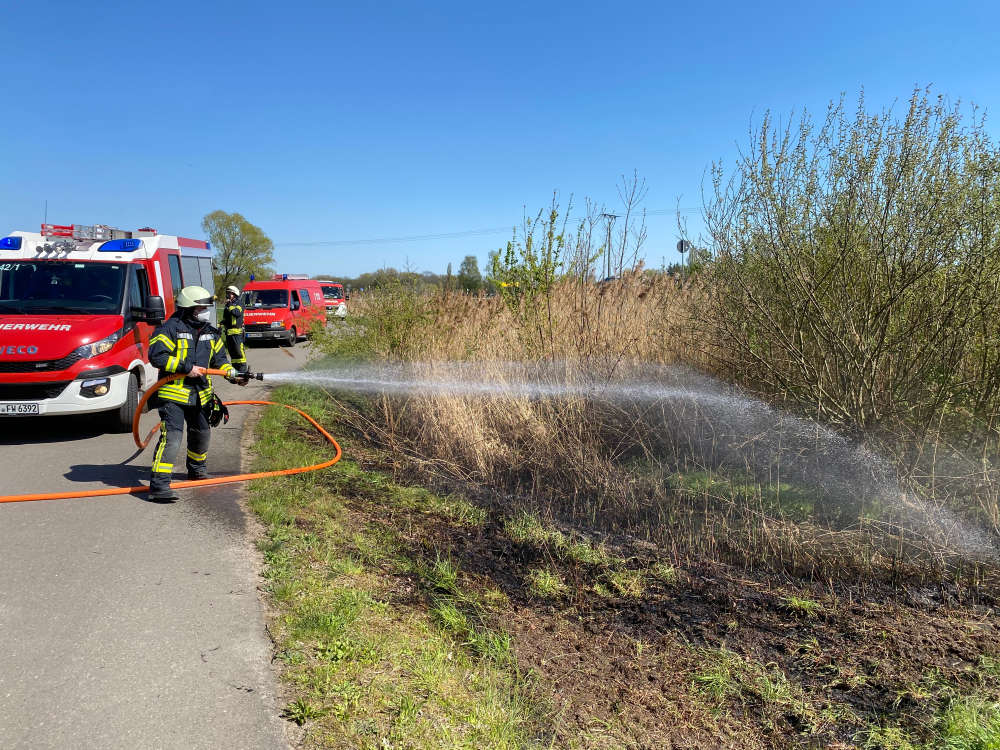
x,y
203,315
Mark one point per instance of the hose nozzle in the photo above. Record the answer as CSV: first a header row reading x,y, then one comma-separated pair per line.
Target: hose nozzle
x,y
257,375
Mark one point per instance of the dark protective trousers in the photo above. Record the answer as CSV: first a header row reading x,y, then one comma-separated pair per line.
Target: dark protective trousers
x,y
172,418
237,351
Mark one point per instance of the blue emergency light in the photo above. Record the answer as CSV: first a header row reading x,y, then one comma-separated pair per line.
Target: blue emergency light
x,y
284,277
251,277
10,243
120,246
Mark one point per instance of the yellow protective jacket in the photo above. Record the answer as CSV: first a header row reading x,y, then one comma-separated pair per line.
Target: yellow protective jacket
x,y
177,346
232,319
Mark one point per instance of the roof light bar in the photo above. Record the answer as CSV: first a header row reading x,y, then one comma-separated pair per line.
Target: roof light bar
x,y
120,246
10,243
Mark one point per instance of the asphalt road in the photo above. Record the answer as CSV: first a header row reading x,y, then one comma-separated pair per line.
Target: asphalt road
x,y
126,623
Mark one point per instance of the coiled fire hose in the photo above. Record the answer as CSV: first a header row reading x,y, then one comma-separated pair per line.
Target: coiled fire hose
x,y
190,482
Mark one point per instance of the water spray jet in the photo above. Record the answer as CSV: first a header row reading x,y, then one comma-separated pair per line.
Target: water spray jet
x,y
711,424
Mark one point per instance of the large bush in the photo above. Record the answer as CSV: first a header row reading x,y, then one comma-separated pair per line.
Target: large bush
x,y
857,267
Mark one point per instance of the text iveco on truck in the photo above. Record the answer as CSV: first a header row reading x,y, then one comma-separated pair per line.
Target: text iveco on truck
x,y
77,306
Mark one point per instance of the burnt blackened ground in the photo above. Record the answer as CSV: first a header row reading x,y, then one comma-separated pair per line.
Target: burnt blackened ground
x,y
711,655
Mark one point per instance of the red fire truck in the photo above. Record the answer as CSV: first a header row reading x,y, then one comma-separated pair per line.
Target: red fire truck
x,y
77,306
282,309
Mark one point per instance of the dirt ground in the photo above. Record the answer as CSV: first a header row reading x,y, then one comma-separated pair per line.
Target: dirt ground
x,y
623,671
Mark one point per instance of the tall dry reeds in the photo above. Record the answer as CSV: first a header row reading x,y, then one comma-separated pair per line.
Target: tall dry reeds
x,y
728,478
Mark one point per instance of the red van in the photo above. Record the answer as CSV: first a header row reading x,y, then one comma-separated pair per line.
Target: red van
x,y
282,309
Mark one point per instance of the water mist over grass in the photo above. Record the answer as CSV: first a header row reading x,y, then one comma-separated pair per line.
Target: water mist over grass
x,y
702,421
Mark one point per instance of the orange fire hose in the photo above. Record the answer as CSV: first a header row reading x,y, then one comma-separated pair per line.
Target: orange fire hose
x,y
190,482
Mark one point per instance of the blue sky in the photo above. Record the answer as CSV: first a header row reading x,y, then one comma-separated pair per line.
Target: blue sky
x,y
329,121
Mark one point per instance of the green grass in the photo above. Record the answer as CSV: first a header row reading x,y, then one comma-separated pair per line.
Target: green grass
x,y
547,583
627,583
726,677
780,499
970,724
366,669
300,711
965,723
528,529
802,607
665,573
989,666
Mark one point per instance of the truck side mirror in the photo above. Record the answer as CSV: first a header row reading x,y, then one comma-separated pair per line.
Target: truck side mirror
x,y
153,312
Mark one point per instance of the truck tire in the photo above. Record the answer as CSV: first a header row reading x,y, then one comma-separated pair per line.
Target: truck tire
x,y
121,418
293,337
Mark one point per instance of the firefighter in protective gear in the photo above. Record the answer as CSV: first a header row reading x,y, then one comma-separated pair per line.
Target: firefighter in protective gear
x,y
232,327
186,343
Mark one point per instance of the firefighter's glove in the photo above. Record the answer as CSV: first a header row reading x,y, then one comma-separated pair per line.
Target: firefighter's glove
x,y
216,411
239,378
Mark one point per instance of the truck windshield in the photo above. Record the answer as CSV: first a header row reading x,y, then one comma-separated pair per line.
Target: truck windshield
x,y
335,291
265,298
39,287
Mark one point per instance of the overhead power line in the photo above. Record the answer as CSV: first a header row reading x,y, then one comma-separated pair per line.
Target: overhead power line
x,y
441,235
412,238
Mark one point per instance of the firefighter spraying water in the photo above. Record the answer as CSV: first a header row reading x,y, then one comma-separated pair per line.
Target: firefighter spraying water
x,y
187,344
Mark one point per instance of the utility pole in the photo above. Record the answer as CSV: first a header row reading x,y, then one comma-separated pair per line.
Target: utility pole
x,y
606,263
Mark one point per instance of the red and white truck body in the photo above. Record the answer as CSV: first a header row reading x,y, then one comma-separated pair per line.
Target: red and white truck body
x,y
77,307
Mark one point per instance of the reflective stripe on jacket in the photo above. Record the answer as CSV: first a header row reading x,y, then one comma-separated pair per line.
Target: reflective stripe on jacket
x,y
177,346
232,319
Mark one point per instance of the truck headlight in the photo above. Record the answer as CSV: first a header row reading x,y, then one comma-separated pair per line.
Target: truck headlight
x,y
93,388
277,324
97,347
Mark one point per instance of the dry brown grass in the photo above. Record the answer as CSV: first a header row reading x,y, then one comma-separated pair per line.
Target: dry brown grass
x,y
639,318
621,468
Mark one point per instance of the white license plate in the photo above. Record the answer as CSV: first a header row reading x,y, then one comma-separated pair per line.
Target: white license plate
x,y
13,410
254,335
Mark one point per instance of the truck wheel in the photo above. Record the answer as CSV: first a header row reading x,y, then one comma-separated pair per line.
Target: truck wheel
x,y
293,337
121,418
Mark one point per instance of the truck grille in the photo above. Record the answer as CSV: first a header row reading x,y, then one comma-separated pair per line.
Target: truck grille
x,y
45,365
257,327
31,391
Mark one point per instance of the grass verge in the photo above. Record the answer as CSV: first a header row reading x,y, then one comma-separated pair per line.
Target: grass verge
x,y
382,647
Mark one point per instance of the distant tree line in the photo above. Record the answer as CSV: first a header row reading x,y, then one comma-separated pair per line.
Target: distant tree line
x,y
468,279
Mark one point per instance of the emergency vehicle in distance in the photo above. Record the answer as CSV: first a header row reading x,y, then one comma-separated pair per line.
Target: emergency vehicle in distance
x,y
282,309
77,306
334,297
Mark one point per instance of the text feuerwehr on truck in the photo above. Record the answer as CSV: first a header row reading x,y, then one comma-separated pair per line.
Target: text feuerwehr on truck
x,y
77,306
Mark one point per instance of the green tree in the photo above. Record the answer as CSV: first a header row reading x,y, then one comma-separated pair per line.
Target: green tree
x,y
241,249
469,277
